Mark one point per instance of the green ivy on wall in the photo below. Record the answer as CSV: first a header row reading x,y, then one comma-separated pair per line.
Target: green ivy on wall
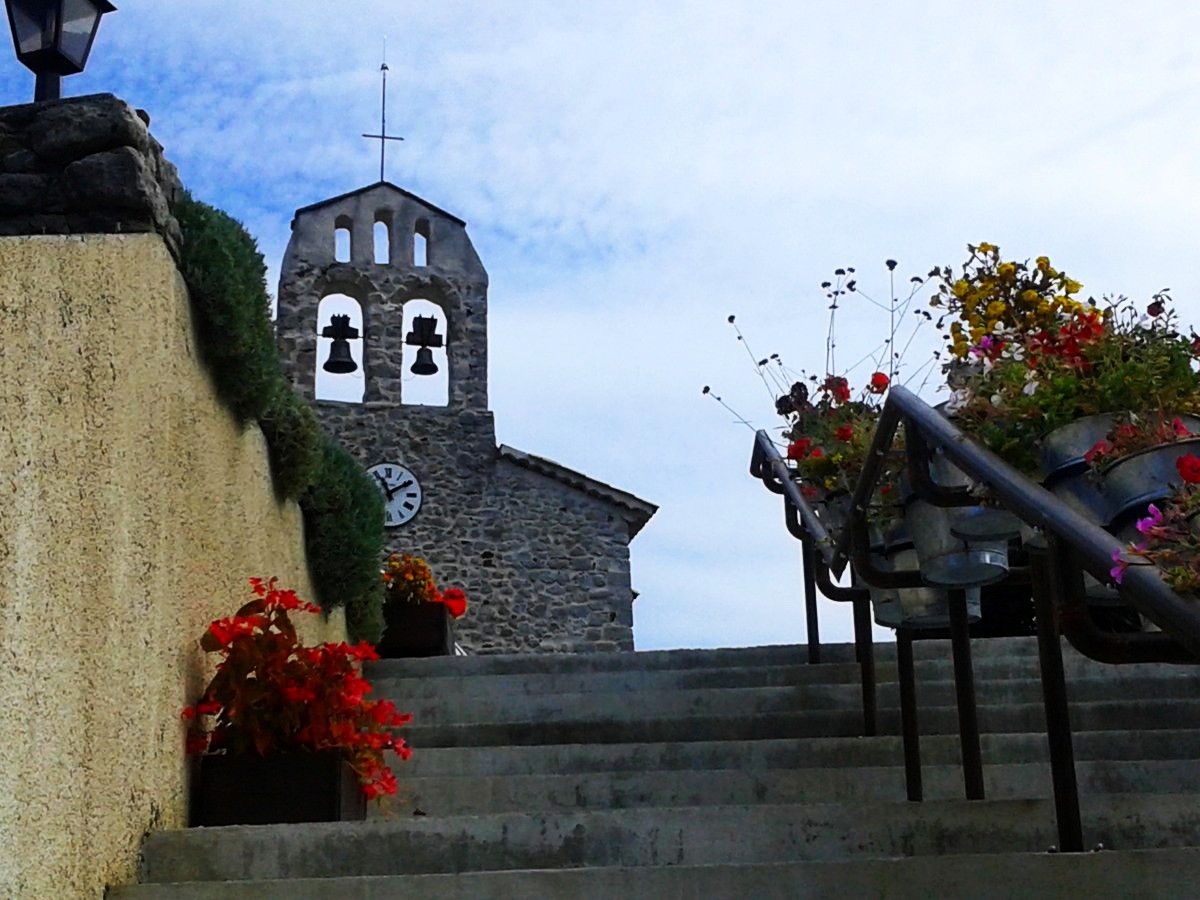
x,y
343,512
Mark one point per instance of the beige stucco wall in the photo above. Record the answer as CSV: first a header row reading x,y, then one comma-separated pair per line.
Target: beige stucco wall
x,y
132,509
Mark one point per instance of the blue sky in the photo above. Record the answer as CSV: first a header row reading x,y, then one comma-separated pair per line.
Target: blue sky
x,y
632,173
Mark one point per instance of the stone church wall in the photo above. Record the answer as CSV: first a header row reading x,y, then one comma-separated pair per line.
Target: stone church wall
x,y
545,566
556,569
134,508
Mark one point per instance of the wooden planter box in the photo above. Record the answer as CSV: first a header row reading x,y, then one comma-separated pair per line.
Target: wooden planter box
x,y
247,789
412,629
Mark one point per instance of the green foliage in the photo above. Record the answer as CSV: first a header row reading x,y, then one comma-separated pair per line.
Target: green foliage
x,y
226,277
343,518
294,441
343,511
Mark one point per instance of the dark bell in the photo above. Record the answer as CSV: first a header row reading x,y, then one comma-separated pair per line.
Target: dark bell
x,y
340,361
424,364
340,330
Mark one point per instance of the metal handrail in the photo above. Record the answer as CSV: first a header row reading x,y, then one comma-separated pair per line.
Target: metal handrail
x,y
1072,544
1142,587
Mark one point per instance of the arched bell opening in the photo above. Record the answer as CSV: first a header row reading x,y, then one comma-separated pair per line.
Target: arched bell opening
x,y
342,239
383,238
425,362
421,243
339,374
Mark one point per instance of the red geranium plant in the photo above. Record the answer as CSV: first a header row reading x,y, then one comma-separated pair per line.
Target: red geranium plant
x,y
270,694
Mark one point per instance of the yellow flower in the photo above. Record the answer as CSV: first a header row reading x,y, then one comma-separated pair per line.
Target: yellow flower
x,y
960,348
996,308
985,247
1029,295
1043,263
1072,286
1006,270
960,288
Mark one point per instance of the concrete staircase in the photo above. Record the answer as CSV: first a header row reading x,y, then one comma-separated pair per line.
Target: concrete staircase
x,y
734,773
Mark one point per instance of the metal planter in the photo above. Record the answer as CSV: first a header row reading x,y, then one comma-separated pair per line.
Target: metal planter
x,y
1097,496
958,546
1135,481
923,607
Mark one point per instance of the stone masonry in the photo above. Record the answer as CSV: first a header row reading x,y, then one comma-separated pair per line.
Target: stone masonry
x,y
84,165
542,551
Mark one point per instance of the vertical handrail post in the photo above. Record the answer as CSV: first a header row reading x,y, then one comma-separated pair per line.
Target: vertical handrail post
x,y
964,688
813,633
1047,567
907,675
864,651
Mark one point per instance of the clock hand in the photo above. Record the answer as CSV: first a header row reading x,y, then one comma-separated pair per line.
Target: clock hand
x,y
392,491
382,483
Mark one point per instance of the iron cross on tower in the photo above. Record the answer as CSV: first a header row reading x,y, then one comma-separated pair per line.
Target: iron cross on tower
x,y
383,137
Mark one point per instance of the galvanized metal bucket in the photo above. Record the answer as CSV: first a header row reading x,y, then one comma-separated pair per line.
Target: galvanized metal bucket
x,y
958,546
922,607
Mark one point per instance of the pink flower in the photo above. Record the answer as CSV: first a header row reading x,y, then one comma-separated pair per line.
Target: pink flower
x,y
1117,572
1151,521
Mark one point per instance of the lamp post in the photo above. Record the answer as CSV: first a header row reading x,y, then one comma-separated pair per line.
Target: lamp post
x,y
53,38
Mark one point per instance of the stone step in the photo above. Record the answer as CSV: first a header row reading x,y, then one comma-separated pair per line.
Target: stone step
x,y
489,706
709,835
479,795
451,688
841,752
1110,874
633,722
773,655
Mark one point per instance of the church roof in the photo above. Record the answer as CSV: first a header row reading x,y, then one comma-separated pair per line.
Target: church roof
x,y
637,511
370,187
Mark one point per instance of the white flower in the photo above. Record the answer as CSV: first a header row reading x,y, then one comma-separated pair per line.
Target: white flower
x,y
958,399
1030,388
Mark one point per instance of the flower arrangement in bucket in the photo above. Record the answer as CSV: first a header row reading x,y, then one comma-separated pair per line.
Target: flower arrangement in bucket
x,y
828,439
1029,358
272,697
1167,536
417,614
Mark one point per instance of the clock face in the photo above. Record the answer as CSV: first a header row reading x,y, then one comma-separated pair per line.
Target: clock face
x,y
401,492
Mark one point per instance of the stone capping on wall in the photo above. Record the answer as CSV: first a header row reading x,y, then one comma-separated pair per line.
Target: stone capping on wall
x,y
634,510
84,165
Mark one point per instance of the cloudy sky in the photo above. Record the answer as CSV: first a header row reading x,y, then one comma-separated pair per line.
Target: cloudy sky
x,y
633,173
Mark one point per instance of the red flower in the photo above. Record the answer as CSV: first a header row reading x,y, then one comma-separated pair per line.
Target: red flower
x,y
1098,449
1179,428
195,743
456,601
845,433
1189,468
838,387
807,490
817,453
798,449
879,383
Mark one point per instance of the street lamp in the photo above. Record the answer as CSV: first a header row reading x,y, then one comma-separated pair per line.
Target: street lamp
x,y
54,37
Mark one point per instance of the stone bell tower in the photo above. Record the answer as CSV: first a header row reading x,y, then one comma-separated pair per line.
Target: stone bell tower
x,y
541,550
